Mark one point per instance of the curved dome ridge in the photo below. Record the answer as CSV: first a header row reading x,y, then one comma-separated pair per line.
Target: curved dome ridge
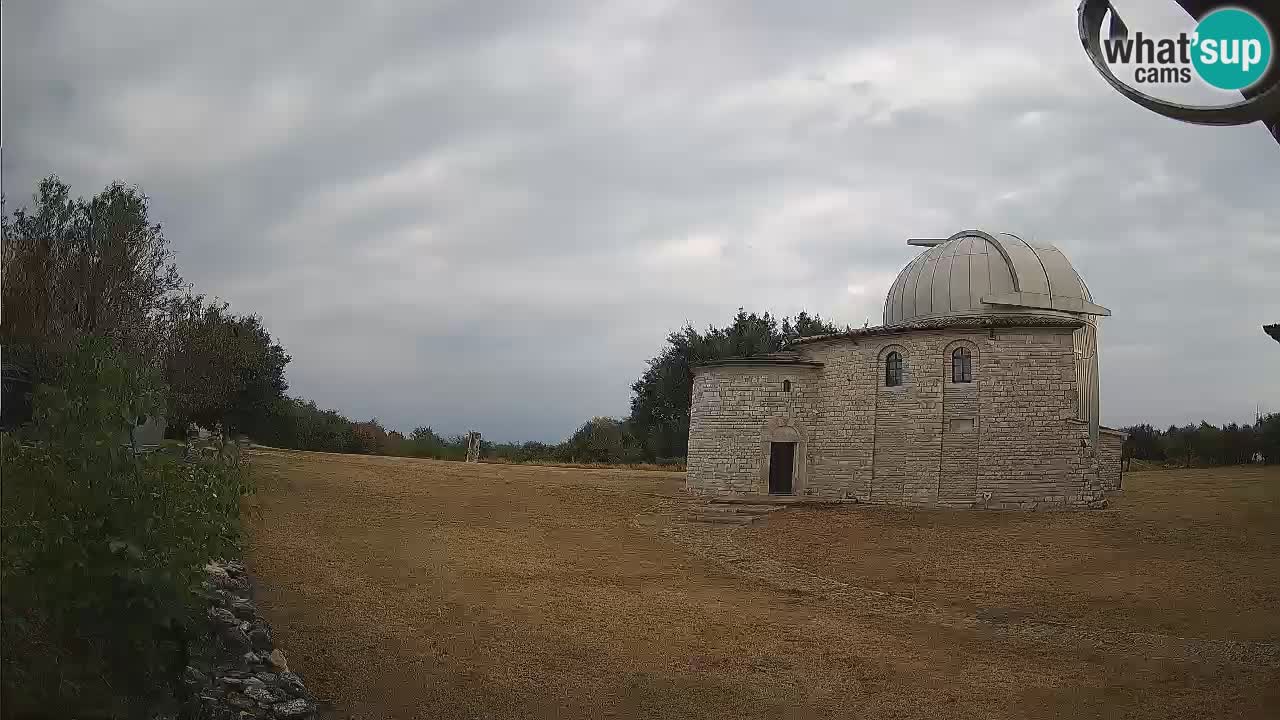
x,y
977,273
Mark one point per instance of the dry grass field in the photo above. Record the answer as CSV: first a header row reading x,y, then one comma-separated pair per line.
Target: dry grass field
x,y
419,589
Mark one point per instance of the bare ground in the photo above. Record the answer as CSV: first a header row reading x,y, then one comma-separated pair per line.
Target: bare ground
x,y
411,588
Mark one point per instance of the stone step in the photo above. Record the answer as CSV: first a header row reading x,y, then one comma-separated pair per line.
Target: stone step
x,y
715,508
771,500
724,518
745,509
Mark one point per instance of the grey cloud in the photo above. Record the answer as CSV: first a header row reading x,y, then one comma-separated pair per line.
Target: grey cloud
x,y
489,215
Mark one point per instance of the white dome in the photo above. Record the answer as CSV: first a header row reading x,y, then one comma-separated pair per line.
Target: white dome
x,y
977,273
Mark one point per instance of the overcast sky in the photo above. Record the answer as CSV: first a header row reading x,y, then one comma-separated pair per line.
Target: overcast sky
x,y
489,215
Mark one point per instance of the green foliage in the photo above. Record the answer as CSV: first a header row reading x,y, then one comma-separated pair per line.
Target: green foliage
x,y
1205,444
223,369
601,440
425,443
660,398
300,425
370,438
522,452
102,550
73,268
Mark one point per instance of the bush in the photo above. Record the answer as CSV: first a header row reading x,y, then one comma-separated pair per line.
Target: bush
x,y
102,549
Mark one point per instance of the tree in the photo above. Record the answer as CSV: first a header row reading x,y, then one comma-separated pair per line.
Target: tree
x,y
369,438
661,397
222,368
74,268
600,439
1267,432
1208,445
1143,443
301,425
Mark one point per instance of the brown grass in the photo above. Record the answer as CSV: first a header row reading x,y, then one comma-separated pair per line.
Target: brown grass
x,y
414,588
589,466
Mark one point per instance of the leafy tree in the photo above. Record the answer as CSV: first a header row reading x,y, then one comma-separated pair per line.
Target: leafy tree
x,y
223,368
1237,445
74,268
368,438
661,397
301,425
1143,443
1267,436
424,433
600,439
1207,444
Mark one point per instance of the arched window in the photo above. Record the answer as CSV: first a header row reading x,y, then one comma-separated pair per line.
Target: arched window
x,y
786,386
961,365
893,369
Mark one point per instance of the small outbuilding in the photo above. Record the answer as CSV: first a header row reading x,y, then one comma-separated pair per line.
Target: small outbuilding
x,y
979,390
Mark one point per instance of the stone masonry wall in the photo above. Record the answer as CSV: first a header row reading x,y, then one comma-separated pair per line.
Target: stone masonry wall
x,y
1033,452
1007,440
907,442
1110,458
958,476
733,412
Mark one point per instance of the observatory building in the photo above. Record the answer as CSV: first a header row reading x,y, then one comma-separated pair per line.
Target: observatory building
x,y
979,390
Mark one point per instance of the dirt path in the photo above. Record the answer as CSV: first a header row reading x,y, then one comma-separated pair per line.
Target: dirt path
x,y
407,588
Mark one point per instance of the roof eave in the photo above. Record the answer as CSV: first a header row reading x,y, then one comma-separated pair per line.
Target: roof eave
x,y
758,362
945,322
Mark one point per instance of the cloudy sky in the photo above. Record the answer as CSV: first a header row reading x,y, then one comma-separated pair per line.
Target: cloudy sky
x,y
488,215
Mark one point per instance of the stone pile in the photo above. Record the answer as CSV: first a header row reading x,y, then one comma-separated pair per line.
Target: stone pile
x,y
245,676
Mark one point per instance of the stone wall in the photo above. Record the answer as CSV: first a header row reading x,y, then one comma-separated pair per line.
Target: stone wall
x,y
735,413
1009,439
908,436
958,474
1034,452
1110,458
241,675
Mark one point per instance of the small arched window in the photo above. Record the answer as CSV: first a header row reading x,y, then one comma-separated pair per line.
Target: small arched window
x,y
893,369
961,365
786,386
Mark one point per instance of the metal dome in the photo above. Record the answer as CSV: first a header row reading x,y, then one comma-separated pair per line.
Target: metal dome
x,y
977,273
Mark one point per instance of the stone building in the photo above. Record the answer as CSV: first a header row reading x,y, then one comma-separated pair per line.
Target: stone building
x,y
979,390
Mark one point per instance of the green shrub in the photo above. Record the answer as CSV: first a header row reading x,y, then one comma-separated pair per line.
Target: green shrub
x,y
102,550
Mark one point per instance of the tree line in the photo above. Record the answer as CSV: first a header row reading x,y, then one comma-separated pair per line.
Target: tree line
x,y
1205,444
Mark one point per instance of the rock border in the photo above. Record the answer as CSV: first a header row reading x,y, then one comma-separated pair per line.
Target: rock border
x,y
239,674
